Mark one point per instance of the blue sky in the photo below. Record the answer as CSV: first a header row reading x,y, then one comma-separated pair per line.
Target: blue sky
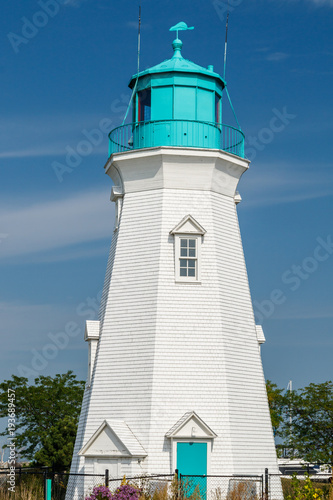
x,y
68,76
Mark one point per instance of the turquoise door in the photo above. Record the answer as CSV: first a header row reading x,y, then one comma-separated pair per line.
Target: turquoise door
x,y
192,461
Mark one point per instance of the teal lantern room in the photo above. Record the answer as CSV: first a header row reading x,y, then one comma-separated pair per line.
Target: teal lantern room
x,y
177,103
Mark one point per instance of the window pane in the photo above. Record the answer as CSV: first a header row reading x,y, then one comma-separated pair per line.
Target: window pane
x,y
205,105
184,103
188,258
144,97
162,103
217,108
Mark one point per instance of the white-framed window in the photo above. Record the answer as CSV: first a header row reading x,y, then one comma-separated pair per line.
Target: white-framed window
x,y
187,257
188,236
188,261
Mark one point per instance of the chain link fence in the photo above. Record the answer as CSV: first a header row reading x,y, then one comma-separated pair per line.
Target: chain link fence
x,y
45,483
30,484
79,487
279,482
275,487
244,487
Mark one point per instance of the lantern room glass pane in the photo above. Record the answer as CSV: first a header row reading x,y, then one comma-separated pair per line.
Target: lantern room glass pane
x,y
217,108
184,106
162,98
205,105
144,105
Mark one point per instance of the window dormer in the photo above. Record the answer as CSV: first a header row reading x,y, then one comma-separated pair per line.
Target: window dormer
x,y
188,236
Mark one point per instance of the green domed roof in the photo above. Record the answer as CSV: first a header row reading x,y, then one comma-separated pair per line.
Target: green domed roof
x,y
178,64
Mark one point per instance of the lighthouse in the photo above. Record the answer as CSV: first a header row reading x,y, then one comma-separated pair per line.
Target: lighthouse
x,y
175,378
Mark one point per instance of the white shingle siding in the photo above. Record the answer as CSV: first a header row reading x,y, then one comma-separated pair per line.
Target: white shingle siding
x,y
92,330
169,348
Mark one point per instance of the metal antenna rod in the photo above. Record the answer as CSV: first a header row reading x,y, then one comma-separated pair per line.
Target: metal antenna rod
x,y
290,385
139,38
225,44
138,69
290,388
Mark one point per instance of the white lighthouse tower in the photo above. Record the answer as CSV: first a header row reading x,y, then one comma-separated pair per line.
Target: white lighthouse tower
x,y
175,374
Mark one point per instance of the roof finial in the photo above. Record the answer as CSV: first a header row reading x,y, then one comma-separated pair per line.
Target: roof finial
x,y
177,44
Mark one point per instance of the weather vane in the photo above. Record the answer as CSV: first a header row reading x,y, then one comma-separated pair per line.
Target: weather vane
x,y
181,27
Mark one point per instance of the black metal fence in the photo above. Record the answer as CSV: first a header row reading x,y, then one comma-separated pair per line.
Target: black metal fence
x,y
46,483
274,488
247,487
43,483
79,488
50,484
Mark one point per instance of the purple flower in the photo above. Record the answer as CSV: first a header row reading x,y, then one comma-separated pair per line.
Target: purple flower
x,y
124,492
127,492
100,493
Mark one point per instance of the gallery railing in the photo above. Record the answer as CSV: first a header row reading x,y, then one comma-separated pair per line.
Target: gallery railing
x,y
181,133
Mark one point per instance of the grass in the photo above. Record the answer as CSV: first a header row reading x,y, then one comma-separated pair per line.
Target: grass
x,y
31,487
27,488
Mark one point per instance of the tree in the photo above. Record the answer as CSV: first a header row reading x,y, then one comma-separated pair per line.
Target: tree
x,y
58,443
46,416
310,432
277,403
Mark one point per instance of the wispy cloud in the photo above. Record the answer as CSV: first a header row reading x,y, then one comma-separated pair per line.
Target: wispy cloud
x,y
305,314
27,329
65,254
74,3
134,25
277,56
47,226
322,2
262,49
18,317
43,151
25,136
308,71
278,184
316,3
33,152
